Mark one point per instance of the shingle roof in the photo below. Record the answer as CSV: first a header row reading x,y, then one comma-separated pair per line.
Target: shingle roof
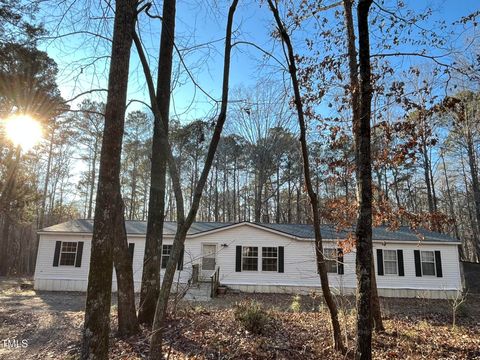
x,y
403,233
304,231
133,227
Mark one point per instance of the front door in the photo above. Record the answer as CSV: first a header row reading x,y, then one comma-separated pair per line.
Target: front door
x,y
209,260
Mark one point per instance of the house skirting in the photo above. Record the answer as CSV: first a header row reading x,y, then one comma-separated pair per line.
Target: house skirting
x,y
81,286
306,290
71,285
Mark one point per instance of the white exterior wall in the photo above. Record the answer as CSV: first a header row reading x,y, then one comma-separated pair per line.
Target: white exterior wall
x,y
61,278
451,279
71,278
299,264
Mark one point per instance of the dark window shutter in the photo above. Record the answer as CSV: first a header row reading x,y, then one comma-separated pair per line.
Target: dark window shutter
x,y
438,263
340,261
56,255
418,264
380,261
238,259
281,259
78,261
131,249
401,270
180,261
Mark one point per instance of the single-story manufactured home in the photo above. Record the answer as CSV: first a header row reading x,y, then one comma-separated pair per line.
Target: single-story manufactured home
x,y
258,257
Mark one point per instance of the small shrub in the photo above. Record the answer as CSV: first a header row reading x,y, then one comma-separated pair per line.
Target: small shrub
x,y
251,315
295,306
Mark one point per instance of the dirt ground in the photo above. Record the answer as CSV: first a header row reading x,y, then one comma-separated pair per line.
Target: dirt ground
x,y
50,323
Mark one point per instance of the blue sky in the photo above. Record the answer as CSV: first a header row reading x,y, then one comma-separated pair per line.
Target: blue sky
x,y
197,23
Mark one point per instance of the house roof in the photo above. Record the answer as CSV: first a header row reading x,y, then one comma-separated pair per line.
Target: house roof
x,y
132,227
302,231
403,233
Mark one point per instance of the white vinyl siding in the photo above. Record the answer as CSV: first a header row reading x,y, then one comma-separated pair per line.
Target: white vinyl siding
x,y
299,262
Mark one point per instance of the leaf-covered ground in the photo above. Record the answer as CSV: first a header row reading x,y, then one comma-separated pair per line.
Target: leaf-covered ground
x,y
415,329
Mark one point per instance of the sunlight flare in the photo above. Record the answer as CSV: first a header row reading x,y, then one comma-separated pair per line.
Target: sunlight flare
x,y
23,131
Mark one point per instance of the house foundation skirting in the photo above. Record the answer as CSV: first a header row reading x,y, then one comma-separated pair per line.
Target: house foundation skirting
x,y
71,285
306,290
81,286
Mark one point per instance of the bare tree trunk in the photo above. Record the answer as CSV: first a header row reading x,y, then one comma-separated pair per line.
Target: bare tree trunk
x,y
183,224
299,197
470,214
97,309
321,266
156,205
235,199
93,177
450,200
434,194
426,170
224,191
216,213
47,180
5,245
289,201
395,183
376,310
133,189
258,195
363,234
6,196
356,111
474,177
127,316
277,200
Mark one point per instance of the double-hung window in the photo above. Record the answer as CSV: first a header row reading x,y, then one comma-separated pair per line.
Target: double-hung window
x,y
166,251
250,258
390,262
68,253
330,255
428,262
269,259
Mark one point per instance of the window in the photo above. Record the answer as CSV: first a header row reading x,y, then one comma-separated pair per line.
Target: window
x,y
250,258
330,256
208,260
428,262
390,263
269,258
166,251
68,253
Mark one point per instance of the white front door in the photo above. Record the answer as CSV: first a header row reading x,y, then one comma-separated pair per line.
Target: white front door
x,y
209,260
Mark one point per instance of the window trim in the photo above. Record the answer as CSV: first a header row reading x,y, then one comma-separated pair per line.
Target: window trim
x,y
270,257
68,252
396,263
257,257
429,262
214,254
